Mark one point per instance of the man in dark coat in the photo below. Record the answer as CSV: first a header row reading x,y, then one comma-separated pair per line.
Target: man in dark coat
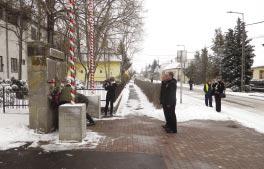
x,y
208,91
110,86
191,84
162,98
218,90
170,103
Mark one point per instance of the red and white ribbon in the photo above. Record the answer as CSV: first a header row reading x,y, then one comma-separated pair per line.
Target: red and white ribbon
x,y
91,43
72,47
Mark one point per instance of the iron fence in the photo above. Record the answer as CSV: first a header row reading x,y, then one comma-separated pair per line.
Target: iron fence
x,y
13,99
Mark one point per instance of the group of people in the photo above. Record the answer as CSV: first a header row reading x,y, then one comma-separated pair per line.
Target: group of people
x,y
216,89
60,93
168,101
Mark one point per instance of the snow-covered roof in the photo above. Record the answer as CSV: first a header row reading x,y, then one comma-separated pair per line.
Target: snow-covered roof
x,y
111,58
173,65
260,66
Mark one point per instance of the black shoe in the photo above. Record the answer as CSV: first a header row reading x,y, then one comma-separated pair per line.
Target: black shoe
x,y
91,124
170,131
165,126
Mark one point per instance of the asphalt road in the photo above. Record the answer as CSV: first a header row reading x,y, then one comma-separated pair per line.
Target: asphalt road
x,y
250,104
23,158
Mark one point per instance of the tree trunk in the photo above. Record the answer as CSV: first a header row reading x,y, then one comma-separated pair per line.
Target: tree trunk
x,y
87,42
79,44
50,29
7,43
20,46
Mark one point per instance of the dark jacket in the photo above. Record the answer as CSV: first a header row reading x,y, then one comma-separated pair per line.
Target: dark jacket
x,y
170,92
218,88
162,91
111,89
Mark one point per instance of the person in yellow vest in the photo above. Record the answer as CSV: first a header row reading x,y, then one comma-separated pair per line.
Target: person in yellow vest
x,y
208,94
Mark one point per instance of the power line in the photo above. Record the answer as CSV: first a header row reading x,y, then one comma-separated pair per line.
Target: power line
x,y
255,23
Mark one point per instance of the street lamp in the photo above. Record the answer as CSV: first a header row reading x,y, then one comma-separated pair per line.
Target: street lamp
x,y
181,60
243,51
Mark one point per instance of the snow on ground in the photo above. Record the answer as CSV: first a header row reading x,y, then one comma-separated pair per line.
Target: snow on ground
x,y
193,108
14,132
251,95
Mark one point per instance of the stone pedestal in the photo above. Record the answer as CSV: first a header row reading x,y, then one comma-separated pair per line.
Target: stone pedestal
x,y
94,106
44,64
72,122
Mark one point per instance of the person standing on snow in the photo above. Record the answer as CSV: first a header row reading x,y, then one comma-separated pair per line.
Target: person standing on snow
x,y
170,103
110,86
219,93
208,93
191,84
164,79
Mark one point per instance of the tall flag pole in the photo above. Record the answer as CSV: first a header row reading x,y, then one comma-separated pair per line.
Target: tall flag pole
x,y
91,43
72,47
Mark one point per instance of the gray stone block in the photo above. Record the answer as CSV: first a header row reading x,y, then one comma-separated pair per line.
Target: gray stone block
x,y
72,122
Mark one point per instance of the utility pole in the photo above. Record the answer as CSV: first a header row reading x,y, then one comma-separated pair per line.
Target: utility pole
x,y
243,55
181,59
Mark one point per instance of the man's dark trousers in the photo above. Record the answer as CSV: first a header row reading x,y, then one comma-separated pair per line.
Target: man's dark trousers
x,y
165,110
218,103
111,101
172,120
208,98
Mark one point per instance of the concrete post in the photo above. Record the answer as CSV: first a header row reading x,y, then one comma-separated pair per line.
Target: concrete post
x,y
72,122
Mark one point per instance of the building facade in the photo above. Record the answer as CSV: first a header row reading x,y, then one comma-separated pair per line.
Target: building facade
x,y
9,44
105,68
258,73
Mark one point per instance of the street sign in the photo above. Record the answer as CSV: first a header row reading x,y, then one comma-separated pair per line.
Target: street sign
x,y
181,56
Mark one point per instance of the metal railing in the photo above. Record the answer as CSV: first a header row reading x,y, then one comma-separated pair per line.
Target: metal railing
x,y
13,99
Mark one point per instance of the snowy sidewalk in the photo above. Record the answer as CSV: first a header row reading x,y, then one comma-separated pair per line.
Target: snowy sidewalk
x,y
199,143
205,139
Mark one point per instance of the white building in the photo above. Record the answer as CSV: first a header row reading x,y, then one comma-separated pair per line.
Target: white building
x,y
9,49
175,67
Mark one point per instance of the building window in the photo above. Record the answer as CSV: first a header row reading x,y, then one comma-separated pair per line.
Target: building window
x,y
1,64
101,71
261,74
33,33
23,62
14,66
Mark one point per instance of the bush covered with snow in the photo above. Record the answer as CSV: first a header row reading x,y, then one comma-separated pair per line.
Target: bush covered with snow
x,y
18,87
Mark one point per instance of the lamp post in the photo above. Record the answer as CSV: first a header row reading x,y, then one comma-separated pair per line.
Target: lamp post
x,y
243,51
181,60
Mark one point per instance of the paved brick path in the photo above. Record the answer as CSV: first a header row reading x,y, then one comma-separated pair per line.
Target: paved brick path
x,y
198,144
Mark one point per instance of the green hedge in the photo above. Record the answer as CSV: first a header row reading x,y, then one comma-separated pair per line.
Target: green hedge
x,y
151,90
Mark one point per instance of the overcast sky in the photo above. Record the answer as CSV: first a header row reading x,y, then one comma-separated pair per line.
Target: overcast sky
x,y
169,23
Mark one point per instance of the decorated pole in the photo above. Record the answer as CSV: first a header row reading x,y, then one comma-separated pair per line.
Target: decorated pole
x,y
91,43
72,57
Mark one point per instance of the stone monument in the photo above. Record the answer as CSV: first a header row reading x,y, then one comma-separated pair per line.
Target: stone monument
x,y
44,65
